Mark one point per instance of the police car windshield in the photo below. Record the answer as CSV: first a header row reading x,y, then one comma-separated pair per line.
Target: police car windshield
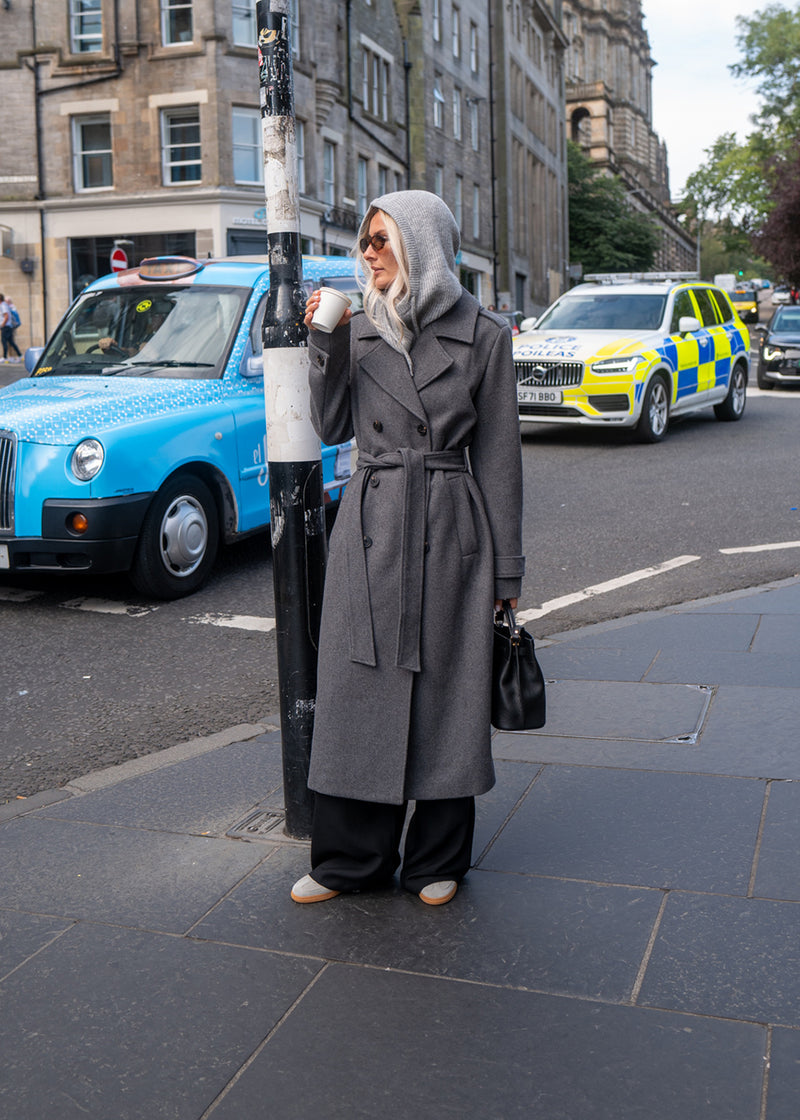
x,y
606,311
153,331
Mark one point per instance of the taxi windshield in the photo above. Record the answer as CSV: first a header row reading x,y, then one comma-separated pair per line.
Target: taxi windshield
x,y
152,331
606,311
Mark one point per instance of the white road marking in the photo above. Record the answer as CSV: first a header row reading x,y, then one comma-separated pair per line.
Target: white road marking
x,y
761,547
17,595
601,588
235,621
106,606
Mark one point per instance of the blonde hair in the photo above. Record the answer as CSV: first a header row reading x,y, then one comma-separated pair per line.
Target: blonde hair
x,y
381,306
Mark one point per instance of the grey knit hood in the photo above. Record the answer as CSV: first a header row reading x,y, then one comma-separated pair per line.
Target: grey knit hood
x,y
431,238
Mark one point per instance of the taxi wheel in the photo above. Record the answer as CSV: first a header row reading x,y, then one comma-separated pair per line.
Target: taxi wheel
x,y
178,542
732,408
654,421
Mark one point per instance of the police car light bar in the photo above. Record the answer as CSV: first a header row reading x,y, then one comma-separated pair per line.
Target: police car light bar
x,y
629,277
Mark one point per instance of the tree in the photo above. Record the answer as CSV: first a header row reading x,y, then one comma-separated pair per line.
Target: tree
x,y
779,237
605,233
770,46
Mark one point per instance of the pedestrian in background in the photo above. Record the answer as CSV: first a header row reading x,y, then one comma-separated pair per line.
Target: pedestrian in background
x,y
9,321
426,542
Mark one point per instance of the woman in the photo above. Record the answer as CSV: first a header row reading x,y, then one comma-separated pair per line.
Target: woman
x,y
427,539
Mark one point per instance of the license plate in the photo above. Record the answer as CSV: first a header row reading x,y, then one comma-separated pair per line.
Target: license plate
x,y
4,559
539,396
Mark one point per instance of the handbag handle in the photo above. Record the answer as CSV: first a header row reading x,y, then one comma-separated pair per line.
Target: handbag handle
x,y
508,611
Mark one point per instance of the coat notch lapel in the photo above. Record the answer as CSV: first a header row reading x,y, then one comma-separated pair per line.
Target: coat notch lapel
x,y
388,368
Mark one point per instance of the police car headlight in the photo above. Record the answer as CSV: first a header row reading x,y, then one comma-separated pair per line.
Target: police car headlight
x,y
618,365
772,352
87,459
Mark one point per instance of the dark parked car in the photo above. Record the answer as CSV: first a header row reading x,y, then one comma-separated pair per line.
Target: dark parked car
x,y
779,356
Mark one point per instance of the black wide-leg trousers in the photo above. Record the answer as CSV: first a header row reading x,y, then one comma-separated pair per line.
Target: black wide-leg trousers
x,y
355,845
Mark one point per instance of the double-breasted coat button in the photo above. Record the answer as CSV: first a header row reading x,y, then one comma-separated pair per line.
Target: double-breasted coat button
x,y
422,429
367,542
374,481
377,425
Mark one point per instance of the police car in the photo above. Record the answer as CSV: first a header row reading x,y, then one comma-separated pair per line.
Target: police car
x,y
138,443
634,351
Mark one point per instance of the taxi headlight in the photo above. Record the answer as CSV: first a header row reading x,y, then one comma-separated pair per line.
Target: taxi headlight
x,y
628,364
87,459
772,352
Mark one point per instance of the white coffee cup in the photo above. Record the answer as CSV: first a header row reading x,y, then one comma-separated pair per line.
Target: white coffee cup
x,y
332,305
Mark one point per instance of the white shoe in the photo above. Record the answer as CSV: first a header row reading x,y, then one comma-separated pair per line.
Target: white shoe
x,y
436,894
309,890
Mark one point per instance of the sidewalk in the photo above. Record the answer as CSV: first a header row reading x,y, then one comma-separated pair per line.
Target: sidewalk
x,y
627,946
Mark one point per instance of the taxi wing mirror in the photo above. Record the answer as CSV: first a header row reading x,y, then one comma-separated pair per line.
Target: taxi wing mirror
x,y
687,324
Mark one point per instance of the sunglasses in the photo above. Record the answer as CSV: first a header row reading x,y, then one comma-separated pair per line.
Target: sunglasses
x,y
377,241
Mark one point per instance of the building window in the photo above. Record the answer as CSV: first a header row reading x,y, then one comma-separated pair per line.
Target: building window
x,y
383,180
457,114
438,181
438,103
473,125
294,26
375,81
329,173
362,185
176,22
437,21
458,203
248,165
476,212
456,32
85,26
245,29
300,140
91,147
473,48
180,145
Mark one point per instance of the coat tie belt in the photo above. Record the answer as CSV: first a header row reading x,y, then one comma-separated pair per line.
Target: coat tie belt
x,y
414,465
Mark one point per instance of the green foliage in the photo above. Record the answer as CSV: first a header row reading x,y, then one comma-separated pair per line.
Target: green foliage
x,y
605,233
769,42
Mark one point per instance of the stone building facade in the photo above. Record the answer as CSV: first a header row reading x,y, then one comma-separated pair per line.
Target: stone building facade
x,y
609,112
137,125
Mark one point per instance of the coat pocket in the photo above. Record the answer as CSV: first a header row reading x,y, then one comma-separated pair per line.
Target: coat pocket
x,y
463,514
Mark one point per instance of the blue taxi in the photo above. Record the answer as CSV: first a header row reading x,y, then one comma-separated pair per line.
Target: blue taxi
x,y
633,352
138,442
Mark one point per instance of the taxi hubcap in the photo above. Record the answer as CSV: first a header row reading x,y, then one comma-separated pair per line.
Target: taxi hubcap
x,y
184,536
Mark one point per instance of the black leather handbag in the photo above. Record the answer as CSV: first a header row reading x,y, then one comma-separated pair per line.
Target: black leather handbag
x,y
518,697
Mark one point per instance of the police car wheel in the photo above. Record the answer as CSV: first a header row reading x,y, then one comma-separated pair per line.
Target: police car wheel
x,y
732,408
654,420
179,539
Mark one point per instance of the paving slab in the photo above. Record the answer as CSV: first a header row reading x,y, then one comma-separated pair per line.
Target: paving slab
x,y
756,729
784,1078
199,795
778,634
575,938
146,879
726,667
482,1053
624,710
737,958
23,935
707,630
779,856
595,663
621,826
122,1024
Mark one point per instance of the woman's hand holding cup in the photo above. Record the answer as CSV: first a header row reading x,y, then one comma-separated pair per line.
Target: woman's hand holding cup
x,y
327,309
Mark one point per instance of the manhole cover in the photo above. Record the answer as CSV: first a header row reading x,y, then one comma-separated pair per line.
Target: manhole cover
x,y
258,824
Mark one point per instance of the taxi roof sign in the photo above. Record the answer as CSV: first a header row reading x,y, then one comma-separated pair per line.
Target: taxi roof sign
x,y
168,268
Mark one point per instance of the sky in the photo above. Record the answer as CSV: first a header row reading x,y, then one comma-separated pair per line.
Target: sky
x,y
695,97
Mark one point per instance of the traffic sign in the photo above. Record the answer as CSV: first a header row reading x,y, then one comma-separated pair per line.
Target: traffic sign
x,y
119,259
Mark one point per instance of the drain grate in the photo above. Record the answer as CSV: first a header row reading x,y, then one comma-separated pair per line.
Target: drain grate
x,y
257,825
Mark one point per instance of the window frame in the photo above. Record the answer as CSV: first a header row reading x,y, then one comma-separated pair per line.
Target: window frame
x,y
329,172
253,116
85,42
170,8
80,154
456,33
168,116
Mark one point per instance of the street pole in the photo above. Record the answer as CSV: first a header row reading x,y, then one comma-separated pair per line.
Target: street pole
x,y
297,514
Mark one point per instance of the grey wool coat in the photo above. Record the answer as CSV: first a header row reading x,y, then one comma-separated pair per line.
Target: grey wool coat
x,y
427,536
